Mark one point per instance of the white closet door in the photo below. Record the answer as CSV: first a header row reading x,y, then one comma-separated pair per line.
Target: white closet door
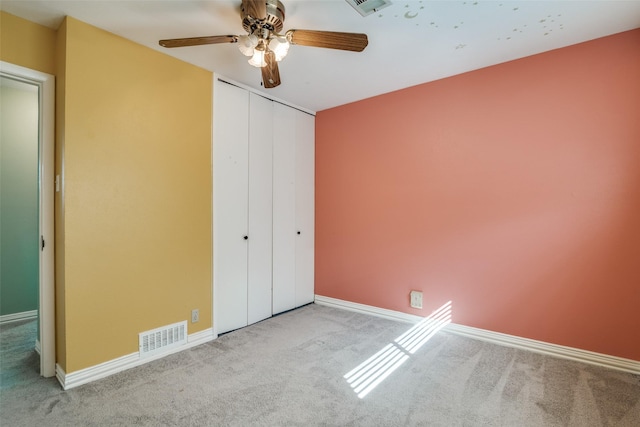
x,y
230,198
260,208
305,202
284,208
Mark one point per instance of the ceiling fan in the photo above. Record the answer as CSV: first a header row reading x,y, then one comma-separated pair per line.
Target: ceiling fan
x,y
266,45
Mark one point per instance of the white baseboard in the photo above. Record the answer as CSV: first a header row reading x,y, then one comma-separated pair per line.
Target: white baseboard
x,y
578,355
103,370
14,317
556,350
201,337
367,309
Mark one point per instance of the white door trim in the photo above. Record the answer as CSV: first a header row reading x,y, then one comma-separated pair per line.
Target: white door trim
x,y
46,165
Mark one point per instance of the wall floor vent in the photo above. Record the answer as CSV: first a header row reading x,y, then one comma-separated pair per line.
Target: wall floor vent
x,y
162,339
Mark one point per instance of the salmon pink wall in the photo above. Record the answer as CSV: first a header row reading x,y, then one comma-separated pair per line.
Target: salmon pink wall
x,y
513,191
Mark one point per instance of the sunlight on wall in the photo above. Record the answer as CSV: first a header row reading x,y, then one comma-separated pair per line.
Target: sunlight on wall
x,y
366,376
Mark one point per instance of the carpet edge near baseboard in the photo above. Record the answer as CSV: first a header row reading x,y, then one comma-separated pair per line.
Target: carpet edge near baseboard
x,y
564,352
16,317
119,364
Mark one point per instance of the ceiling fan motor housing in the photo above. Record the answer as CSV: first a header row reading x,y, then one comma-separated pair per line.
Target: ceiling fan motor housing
x,y
263,27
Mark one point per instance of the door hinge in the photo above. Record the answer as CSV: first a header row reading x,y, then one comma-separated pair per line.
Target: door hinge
x,y
42,243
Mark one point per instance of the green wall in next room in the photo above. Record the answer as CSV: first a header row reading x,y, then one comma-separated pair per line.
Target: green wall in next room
x,y
19,197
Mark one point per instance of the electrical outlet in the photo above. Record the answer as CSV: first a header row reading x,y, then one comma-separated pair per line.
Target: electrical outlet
x,y
416,299
195,315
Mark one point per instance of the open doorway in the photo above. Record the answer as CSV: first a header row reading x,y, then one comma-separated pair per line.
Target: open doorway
x,y
26,206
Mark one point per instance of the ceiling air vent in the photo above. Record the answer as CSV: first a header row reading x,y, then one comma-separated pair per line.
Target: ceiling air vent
x,y
367,7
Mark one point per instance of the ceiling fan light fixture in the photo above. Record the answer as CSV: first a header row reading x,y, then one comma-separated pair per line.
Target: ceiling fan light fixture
x,y
266,45
257,60
247,44
280,46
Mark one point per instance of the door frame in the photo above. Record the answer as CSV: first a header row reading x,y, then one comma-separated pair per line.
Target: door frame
x,y
46,189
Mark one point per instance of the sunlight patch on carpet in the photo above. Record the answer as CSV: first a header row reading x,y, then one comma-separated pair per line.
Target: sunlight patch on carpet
x,y
370,373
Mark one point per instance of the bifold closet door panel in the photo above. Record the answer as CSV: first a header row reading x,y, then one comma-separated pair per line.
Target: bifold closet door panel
x,y
305,202
230,198
284,208
260,208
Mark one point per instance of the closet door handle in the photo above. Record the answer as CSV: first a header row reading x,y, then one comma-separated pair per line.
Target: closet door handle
x,y
298,232
246,237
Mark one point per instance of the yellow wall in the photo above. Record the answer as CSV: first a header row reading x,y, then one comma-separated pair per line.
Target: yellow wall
x,y
133,220
27,44
134,133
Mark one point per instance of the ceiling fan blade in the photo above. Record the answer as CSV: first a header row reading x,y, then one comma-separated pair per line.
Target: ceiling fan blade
x,y
196,41
355,42
257,9
270,72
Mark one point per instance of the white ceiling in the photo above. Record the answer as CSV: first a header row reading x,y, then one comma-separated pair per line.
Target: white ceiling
x,y
410,42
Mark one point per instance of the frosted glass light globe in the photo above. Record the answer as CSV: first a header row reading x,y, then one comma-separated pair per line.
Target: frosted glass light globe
x,y
257,60
247,44
279,46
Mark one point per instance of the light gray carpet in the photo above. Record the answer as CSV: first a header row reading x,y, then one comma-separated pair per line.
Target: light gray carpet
x,y
19,363
288,371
